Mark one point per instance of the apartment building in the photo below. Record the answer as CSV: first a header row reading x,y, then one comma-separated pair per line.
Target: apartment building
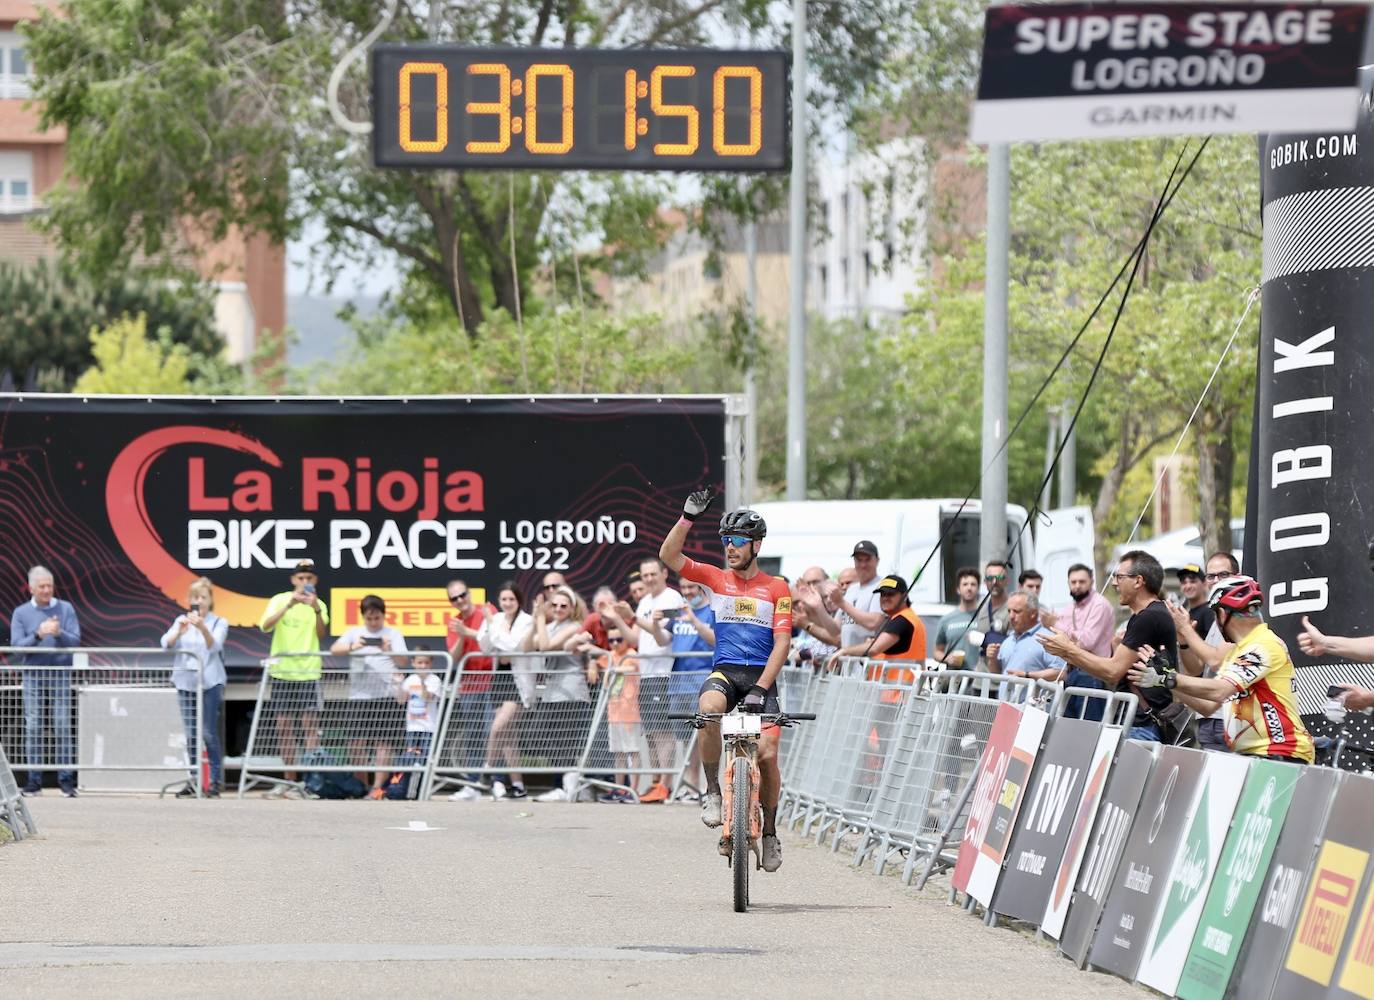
x,y
247,273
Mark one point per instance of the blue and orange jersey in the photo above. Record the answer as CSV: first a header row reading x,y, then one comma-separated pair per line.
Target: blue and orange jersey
x,y
748,612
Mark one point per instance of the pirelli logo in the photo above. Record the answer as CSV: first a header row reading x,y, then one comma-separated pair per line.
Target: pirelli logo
x,y
414,611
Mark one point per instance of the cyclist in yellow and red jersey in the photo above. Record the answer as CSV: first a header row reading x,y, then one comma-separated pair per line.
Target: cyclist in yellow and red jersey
x,y
753,634
1254,684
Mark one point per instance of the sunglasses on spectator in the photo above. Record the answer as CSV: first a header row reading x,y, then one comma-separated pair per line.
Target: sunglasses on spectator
x,y
563,606
738,541
615,638
455,598
994,576
552,586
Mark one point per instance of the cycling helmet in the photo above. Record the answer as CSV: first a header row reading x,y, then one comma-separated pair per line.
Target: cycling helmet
x,y
744,521
1236,593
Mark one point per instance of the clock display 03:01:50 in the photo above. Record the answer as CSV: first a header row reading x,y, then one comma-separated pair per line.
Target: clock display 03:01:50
x,y
511,124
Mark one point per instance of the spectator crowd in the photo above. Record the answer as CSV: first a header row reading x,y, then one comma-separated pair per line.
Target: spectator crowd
x,y
1202,666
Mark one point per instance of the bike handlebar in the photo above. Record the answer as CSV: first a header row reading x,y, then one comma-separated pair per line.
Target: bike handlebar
x,y
766,716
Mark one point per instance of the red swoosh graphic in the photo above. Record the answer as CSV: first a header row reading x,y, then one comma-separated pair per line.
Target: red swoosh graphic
x,y
124,501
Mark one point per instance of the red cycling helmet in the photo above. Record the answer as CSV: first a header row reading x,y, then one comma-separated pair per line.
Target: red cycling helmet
x,y
1236,593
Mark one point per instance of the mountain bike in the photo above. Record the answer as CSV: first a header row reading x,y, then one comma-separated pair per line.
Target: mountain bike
x,y
739,788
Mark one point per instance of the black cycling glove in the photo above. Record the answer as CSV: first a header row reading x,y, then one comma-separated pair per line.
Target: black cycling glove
x,y
754,700
698,503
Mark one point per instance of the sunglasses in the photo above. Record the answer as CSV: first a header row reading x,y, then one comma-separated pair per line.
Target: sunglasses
x,y
615,638
738,541
994,576
455,598
561,606
552,586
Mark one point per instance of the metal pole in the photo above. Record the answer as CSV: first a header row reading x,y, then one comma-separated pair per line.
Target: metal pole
x,y
993,540
751,395
796,327
1068,460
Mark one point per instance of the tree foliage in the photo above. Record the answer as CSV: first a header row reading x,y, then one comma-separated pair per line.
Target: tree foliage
x,y
128,361
203,116
49,311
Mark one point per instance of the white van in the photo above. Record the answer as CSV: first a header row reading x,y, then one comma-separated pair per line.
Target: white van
x,y
823,533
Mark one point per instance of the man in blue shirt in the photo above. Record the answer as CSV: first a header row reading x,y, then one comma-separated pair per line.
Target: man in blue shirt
x,y
44,622
693,631
1019,655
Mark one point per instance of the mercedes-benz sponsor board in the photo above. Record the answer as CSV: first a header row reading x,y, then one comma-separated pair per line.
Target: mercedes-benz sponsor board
x,y
1142,879
1102,71
1194,865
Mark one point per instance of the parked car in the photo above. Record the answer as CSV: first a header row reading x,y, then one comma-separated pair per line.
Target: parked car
x,y
1183,546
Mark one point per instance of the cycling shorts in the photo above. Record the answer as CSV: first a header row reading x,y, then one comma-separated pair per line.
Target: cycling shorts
x,y
734,681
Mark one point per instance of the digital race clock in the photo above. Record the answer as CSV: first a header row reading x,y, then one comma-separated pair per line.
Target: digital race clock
x,y
578,109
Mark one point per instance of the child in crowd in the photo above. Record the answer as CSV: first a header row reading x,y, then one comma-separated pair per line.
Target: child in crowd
x,y
624,734
420,693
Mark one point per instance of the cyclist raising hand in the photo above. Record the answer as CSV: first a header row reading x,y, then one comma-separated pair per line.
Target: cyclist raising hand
x,y
753,633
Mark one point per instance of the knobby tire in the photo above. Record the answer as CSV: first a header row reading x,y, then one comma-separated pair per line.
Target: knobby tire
x,y
739,832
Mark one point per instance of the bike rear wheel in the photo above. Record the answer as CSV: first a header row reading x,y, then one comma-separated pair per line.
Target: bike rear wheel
x,y
739,833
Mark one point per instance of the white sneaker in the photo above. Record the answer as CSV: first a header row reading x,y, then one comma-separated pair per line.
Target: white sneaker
x,y
276,792
772,854
552,795
711,809
498,789
466,794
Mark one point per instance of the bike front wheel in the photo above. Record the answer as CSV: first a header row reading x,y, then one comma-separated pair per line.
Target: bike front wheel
x,y
739,833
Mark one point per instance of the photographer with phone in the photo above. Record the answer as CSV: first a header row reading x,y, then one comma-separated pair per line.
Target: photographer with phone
x,y
657,610
298,622
198,637
375,718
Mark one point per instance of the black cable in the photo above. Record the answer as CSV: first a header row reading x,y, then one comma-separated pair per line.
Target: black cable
x,y
1133,261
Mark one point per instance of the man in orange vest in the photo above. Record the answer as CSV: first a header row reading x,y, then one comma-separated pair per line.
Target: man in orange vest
x,y
902,637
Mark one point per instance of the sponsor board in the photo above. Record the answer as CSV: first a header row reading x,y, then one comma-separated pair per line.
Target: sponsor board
x,y
988,778
1095,786
1103,853
1240,876
1047,819
1281,894
1102,71
1328,908
414,611
129,500
1194,866
1142,878
987,867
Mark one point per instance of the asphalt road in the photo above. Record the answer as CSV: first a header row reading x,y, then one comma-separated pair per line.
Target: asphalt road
x,y
137,897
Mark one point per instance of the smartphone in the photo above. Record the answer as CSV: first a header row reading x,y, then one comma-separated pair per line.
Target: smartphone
x,y
372,640
671,613
1336,690
309,588
195,606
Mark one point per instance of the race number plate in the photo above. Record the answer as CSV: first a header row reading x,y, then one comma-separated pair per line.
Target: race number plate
x,y
741,725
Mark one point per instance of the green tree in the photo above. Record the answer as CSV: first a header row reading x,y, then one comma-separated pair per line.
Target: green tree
x,y
49,310
128,361
1077,209
229,93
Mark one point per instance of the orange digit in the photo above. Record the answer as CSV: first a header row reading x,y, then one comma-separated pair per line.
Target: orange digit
x,y
440,140
499,107
631,111
532,75
755,78
675,111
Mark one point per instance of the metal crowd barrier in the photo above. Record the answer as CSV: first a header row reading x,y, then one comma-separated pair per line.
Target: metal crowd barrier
x,y
592,727
893,760
114,717
324,714
14,811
